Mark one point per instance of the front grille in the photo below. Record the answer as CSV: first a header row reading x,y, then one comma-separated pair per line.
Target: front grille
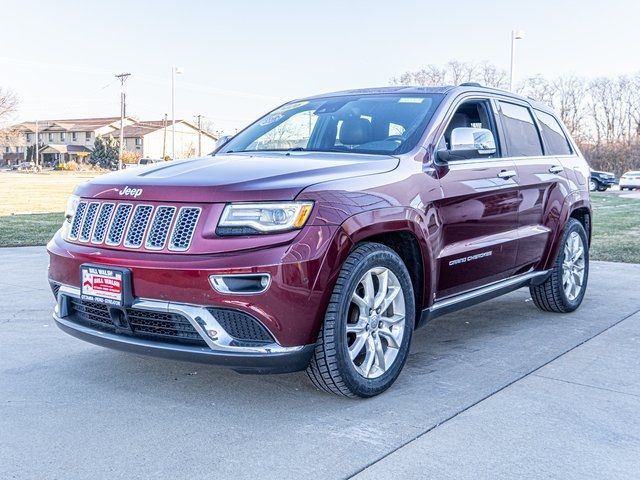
x,y
158,326
135,226
114,237
100,229
183,231
77,220
241,326
87,225
138,226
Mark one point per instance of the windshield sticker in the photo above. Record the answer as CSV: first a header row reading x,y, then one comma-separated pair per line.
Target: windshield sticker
x,y
411,100
270,119
292,106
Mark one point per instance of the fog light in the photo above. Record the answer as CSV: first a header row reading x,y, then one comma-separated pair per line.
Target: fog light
x,y
241,284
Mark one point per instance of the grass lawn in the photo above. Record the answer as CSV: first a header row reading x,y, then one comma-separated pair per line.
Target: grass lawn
x,y
616,228
29,229
37,192
32,205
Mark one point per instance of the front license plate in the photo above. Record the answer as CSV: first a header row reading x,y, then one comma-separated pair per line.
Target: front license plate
x,y
110,286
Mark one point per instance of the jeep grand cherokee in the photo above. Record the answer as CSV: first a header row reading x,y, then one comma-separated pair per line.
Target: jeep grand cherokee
x,y
324,233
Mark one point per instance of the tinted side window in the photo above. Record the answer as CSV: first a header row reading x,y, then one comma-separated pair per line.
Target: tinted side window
x,y
521,133
554,137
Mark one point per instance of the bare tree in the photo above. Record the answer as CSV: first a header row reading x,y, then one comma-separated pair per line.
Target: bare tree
x,y
454,73
8,105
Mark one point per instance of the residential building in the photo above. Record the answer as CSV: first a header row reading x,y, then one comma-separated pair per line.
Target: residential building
x,y
153,139
61,141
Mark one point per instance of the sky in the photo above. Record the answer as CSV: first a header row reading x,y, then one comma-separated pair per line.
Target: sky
x,y
242,58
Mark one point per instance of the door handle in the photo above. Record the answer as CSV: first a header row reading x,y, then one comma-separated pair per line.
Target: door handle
x,y
506,174
556,169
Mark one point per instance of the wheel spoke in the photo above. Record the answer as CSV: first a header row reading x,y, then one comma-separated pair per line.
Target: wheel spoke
x,y
393,320
577,254
392,293
357,327
386,333
369,357
383,284
380,360
358,344
369,293
361,303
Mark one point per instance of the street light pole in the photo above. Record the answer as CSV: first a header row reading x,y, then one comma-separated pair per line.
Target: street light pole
x,y
123,78
37,146
199,117
515,35
174,71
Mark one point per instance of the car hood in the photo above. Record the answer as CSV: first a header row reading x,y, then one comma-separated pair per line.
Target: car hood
x,y
233,177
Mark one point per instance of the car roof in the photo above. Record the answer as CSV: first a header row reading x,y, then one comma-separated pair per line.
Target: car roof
x,y
444,89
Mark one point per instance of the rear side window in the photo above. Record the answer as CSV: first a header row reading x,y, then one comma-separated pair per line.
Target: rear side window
x,y
554,138
521,133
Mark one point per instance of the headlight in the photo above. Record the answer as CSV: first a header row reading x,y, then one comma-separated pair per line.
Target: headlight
x,y
72,206
257,218
69,212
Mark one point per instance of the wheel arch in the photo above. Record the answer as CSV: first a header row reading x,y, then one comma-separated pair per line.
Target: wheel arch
x,y
403,231
579,210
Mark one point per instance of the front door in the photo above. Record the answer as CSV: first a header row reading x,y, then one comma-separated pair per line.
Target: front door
x,y
478,212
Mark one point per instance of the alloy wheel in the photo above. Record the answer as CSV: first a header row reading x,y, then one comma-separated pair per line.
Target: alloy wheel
x,y
573,266
376,323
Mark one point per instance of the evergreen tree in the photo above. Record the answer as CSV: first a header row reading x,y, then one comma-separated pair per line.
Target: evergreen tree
x,y
105,153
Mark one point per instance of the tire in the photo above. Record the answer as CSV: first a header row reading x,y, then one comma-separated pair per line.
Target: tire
x,y
602,188
555,293
592,185
342,363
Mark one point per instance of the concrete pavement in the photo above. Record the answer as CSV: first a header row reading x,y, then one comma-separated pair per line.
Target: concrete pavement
x,y
499,390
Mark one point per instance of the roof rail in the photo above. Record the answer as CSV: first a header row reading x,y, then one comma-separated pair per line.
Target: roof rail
x,y
470,84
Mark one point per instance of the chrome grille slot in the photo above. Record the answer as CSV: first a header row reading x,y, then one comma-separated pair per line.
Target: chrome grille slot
x,y
87,225
138,226
131,226
77,220
101,224
160,228
183,229
120,218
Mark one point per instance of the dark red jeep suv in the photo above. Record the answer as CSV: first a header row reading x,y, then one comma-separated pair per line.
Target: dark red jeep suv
x,y
323,234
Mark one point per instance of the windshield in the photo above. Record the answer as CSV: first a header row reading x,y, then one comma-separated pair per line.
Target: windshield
x,y
383,124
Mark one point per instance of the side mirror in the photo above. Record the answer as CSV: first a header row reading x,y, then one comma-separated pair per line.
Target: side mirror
x,y
469,142
222,140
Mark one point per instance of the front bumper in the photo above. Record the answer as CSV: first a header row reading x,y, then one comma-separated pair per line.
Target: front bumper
x,y
220,348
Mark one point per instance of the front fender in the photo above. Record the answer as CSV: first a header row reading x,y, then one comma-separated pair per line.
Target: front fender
x,y
387,221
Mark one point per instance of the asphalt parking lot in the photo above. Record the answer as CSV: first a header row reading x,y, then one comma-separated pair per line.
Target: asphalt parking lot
x,y
500,390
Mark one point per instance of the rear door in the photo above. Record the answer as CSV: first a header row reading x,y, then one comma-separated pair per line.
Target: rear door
x,y
478,210
542,180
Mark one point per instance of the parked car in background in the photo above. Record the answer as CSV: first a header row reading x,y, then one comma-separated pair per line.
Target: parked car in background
x,y
324,233
148,161
601,181
630,180
25,167
142,162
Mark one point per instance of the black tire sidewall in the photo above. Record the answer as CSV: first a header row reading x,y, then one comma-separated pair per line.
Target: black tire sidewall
x,y
363,387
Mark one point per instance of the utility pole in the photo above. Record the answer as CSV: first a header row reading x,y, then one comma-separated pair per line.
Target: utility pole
x,y
164,139
123,78
199,117
174,71
37,146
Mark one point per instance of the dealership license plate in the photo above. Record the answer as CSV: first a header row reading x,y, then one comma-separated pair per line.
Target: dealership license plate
x,y
110,286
